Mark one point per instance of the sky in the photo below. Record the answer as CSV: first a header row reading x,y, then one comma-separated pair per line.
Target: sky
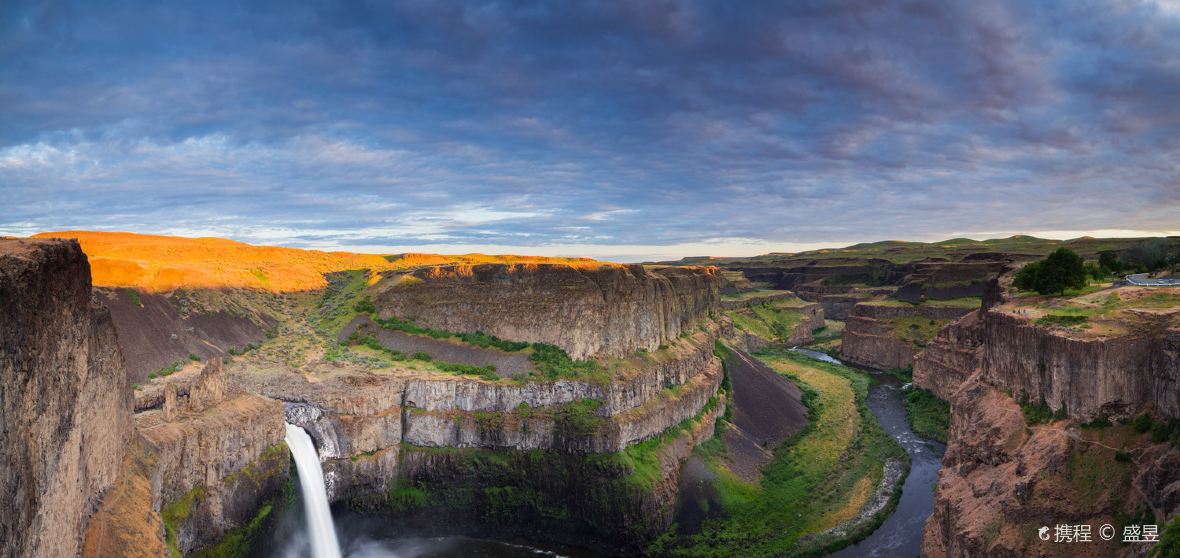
x,y
626,130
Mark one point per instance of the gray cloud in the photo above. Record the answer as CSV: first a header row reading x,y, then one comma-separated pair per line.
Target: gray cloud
x,y
598,123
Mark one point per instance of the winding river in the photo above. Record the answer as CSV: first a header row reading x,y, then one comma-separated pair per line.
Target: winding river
x,y
901,534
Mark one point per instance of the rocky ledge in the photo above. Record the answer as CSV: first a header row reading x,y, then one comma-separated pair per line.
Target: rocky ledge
x,y
587,310
886,337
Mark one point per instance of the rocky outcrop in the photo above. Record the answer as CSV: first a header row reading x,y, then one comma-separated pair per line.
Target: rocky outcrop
x,y
601,502
1087,377
751,299
1001,481
592,309
885,337
795,274
1003,478
218,455
360,419
950,358
838,300
65,404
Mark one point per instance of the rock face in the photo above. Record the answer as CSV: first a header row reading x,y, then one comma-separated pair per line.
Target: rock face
x,y
1002,479
874,338
593,310
595,502
65,405
1113,377
1089,377
218,455
950,358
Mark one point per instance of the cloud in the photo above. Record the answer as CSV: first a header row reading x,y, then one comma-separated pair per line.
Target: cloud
x,y
594,124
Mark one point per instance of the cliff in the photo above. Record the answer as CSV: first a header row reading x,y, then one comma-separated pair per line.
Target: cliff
x,y
887,336
782,323
66,405
361,419
1002,479
1114,377
218,454
1004,476
588,310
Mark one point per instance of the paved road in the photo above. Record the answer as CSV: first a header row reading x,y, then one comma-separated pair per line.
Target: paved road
x,y
1141,280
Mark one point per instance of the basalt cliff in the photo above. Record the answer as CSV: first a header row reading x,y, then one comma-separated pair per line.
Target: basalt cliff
x,y
606,310
1050,426
86,475
65,404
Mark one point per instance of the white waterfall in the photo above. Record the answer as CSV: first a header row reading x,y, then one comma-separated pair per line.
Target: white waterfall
x,y
315,497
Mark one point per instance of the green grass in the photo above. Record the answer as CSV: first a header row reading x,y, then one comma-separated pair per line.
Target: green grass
x,y
815,481
1169,545
1039,412
769,321
928,415
917,330
550,360
238,543
338,304
962,302
175,514
167,370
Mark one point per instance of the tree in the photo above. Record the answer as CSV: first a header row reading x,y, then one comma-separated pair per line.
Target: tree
x,y
1063,269
1109,261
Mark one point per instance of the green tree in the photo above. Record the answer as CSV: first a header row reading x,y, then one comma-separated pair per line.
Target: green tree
x,y
1063,269
1109,261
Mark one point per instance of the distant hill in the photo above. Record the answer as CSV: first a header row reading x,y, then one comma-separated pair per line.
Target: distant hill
x,y
164,263
954,249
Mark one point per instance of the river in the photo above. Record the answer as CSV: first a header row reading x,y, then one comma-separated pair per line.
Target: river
x,y
901,534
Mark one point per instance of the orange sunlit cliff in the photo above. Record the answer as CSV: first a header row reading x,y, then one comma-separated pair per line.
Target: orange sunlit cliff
x,y
164,263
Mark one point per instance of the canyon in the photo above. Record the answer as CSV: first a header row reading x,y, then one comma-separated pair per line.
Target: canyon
x,y
197,447
560,400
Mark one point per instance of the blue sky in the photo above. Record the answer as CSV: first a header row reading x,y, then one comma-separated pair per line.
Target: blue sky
x,y
626,130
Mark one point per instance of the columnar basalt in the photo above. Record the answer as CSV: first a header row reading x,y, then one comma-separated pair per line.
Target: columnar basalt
x,y
884,337
1002,477
360,419
218,455
587,310
66,405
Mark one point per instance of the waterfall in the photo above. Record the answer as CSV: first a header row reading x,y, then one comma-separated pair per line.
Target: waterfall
x,y
315,497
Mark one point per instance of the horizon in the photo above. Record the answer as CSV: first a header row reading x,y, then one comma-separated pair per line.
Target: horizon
x,y
567,253
627,132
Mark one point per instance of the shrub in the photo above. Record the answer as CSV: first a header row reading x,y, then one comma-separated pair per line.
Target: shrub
x,y
421,356
1100,422
1036,413
1142,423
364,306
486,372
194,357
1064,321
